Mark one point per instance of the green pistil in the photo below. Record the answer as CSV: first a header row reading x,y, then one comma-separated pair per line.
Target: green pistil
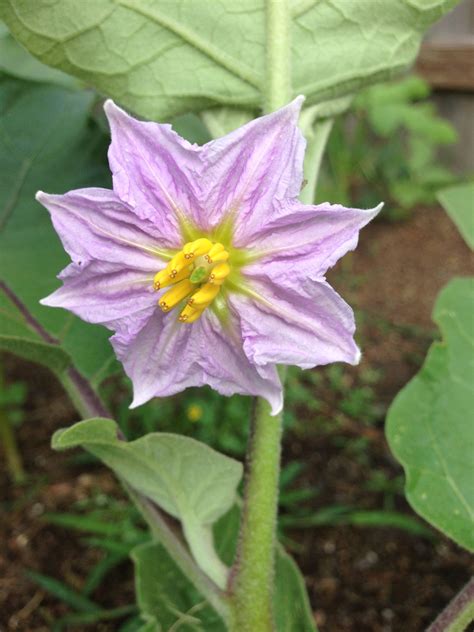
x,y
198,275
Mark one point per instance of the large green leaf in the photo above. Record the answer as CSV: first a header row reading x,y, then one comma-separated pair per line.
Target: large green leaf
x,y
16,61
182,475
186,478
429,425
48,142
162,58
458,202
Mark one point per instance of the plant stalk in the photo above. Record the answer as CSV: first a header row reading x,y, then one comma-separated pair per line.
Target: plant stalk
x,y
458,614
251,585
278,55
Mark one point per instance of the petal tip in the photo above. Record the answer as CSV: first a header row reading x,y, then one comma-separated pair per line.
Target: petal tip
x,y
276,402
376,210
299,100
46,301
357,357
139,399
293,109
110,107
113,112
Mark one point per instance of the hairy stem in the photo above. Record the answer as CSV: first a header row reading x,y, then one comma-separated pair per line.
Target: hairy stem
x,y
252,578
278,55
252,584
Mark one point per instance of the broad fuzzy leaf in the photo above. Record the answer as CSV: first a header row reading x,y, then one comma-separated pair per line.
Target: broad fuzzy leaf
x,y
186,478
429,425
183,476
163,58
16,61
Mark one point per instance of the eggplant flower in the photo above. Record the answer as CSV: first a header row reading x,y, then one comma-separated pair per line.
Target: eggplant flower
x,y
203,261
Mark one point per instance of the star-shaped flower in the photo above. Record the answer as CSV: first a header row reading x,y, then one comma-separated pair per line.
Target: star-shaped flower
x,y
203,261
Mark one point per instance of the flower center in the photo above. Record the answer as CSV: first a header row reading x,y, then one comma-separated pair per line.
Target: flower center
x,y
195,273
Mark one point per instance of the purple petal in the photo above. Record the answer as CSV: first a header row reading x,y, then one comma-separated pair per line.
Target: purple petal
x,y
281,326
306,242
166,357
106,293
228,369
251,171
154,171
95,224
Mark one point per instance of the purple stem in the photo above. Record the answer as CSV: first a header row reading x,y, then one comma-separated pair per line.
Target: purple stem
x,y
29,318
454,610
87,394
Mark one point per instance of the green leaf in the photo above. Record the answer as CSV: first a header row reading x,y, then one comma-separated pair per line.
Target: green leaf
x,y
191,127
48,355
165,58
429,425
16,61
292,608
222,121
189,480
458,202
64,593
180,474
165,596
48,142
72,621
12,322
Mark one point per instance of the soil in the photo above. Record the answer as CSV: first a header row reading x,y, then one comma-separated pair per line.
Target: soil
x,y
370,579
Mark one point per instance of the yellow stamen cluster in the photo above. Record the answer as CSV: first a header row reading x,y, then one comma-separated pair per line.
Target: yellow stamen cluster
x,y
195,273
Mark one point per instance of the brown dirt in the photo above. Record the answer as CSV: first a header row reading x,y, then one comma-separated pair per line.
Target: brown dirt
x,y
371,579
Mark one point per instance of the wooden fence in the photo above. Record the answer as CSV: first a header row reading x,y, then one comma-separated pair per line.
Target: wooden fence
x,y
446,60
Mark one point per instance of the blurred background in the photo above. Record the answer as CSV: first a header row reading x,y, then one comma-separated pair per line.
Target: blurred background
x,y
369,562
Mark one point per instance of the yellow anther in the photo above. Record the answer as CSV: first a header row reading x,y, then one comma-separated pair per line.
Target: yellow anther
x,y
220,256
213,252
177,263
189,314
163,278
219,273
176,294
197,248
204,296
195,275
